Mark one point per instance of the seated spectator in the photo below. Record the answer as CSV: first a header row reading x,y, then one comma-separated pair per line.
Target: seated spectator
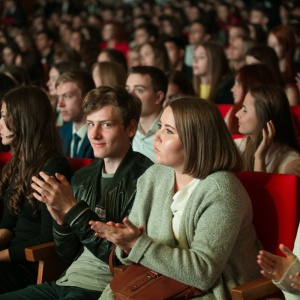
x,y
113,37
246,77
175,47
155,54
178,85
104,190
55,71
212,78
27,126
133,56
271,141
192,220
263,54
6,84
109,73
282,39
284,271
150,85
112,55
199,32
237,50
71,88
144,33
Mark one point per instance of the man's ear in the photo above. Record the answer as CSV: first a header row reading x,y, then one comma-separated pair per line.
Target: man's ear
x,y
132,128
160,95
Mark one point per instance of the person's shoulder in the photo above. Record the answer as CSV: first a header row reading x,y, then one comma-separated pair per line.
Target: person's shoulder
x,y
223,181
65,127
88,171
159,172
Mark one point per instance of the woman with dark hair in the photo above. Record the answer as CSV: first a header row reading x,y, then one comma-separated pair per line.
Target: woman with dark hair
x,y
192,218
212,76
266,121
178,85
109,73
283,40
26,125
246,77
263,54
155,54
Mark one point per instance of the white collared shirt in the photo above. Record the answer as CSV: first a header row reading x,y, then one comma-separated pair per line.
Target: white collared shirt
x,y
144,143
179,202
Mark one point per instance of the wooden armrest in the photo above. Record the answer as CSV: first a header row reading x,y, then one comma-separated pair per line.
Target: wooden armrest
x,y
39,252
262,288
50,264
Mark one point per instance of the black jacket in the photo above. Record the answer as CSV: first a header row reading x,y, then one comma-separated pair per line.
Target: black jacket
x,y
119,197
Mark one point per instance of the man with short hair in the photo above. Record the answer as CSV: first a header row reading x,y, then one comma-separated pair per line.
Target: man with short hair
x,y
199,32
104,191
175,47
150,85
71,88
146,32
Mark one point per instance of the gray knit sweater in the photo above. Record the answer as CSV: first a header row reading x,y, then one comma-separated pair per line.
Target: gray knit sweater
x,y
217,246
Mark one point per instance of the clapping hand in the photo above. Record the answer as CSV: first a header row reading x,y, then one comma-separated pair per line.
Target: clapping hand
x,y
274,266
123,235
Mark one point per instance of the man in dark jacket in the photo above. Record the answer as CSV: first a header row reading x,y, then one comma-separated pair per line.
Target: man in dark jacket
x,y
103,190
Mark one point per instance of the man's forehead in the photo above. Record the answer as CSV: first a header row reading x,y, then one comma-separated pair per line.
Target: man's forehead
x,y
68,86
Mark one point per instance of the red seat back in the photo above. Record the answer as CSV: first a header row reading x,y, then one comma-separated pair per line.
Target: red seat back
x,y
4,158
77,163
224,108
275,207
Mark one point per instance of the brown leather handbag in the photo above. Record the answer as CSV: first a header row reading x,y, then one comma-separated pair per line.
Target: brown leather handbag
x,y
141,283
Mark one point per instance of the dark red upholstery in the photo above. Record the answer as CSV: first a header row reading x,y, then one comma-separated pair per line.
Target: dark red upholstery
x,y
77,163
4,158
224,108
275,207
295,110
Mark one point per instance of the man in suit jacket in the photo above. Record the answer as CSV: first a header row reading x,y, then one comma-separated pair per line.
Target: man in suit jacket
x,y
71,88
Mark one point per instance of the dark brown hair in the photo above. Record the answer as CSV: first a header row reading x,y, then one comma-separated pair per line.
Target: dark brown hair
x,y
35,139
270,103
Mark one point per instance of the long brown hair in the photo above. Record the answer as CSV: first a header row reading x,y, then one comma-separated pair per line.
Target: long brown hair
x,y
35,140
248,76
270,103
218,67
286,38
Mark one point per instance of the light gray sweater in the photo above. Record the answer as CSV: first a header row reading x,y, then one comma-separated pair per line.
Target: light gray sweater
x,y
217,246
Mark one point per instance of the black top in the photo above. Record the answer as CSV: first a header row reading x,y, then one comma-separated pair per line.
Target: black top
x,y
29,230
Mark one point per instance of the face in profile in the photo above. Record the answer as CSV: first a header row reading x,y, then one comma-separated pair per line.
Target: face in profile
x,y
247,116
53,76
237,90
274,43
5,133
96,76
167,144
